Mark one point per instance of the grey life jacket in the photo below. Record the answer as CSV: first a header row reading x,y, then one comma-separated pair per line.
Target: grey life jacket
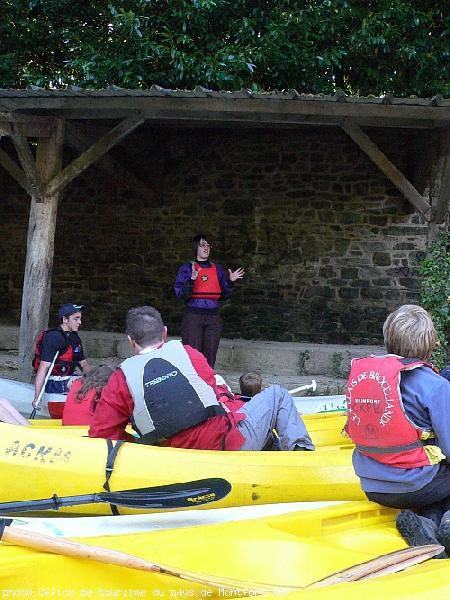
x,y
169,395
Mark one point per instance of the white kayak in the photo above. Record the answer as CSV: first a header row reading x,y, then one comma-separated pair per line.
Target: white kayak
x,y
21,396
126,524
308,405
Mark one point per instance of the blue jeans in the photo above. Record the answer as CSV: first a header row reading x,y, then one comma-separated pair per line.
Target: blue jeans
x,y
273,408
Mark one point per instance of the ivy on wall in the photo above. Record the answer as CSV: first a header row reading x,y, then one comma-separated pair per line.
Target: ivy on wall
x,y
435,292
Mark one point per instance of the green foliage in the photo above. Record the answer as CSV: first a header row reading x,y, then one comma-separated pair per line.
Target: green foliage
x,y
316,46
435,293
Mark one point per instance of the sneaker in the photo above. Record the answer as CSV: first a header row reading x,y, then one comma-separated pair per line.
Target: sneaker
x,y
443,534
417,530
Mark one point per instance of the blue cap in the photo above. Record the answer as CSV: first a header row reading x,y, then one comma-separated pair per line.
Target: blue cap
x,y
69,309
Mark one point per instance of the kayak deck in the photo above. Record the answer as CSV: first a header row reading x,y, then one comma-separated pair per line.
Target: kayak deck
x,y
294,549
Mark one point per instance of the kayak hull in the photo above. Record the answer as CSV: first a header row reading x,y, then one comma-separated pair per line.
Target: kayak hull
x,y
39,463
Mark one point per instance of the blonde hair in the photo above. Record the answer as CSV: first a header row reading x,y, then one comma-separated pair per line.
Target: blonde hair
x,y
250,383
409,332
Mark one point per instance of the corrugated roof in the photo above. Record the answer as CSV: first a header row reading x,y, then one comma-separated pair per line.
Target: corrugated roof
x,y
201,92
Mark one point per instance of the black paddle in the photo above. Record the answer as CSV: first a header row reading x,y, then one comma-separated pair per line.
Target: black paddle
x,y
174,495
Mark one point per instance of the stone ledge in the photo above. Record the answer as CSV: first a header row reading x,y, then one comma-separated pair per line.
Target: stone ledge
x,y
286,359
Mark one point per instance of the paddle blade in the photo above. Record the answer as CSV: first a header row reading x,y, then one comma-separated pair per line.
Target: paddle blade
x,y
381,565
166,497
176,495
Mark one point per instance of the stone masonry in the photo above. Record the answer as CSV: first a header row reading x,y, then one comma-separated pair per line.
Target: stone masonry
x,y
328,244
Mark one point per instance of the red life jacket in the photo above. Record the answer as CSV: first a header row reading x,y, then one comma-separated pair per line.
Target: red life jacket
x,y
377,422
64,364
206,286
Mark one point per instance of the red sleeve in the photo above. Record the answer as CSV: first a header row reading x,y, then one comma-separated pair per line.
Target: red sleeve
x,y
113,411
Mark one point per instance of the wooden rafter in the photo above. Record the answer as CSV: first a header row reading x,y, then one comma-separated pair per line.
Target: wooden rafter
x,y
32,125
92,154
388,168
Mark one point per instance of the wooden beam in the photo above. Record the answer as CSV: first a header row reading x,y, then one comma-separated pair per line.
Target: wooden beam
x,y
388,168
27,161
40,250
92,154
32,125
440,198
226,105
79,140
15,171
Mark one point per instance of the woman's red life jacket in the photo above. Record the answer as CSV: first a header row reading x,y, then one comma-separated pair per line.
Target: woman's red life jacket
x,y
206,286
377,422
65,363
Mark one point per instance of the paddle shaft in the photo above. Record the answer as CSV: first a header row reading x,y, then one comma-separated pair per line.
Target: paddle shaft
x,y
39,398
377,566
174,495
310,386
28,539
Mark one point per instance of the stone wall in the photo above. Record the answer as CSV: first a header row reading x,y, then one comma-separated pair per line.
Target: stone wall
x,y
328,244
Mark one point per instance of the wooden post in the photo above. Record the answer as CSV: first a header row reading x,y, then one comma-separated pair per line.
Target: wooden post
x,y
40,248
440,195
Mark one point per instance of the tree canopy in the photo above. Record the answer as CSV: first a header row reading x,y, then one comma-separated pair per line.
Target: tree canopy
x,y
366,47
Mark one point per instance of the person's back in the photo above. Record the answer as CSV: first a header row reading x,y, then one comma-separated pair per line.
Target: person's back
x,y
169,393
84,394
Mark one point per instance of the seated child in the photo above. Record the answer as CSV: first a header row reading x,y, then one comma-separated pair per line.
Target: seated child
x,y
250,384
84,394
402,447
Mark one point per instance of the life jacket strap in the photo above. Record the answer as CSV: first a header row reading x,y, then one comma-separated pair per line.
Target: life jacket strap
x,y
113,450
389,449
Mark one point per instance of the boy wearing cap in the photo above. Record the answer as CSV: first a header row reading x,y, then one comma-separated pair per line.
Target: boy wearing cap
x,y
64,343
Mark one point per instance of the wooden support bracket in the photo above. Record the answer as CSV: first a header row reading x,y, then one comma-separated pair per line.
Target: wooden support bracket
x,y
15,171
388,168
92,154
27,161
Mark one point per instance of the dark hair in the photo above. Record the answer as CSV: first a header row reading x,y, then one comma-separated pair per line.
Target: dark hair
x,y
96,378
196,241
144,325
250,383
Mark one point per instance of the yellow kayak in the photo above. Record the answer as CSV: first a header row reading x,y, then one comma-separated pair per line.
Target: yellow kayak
x,y
38,463
277,553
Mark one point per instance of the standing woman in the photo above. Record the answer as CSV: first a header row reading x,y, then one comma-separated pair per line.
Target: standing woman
x,y
202,283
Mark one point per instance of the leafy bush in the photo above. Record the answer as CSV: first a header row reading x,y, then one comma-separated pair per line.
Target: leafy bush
x,y
435,293
372,47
